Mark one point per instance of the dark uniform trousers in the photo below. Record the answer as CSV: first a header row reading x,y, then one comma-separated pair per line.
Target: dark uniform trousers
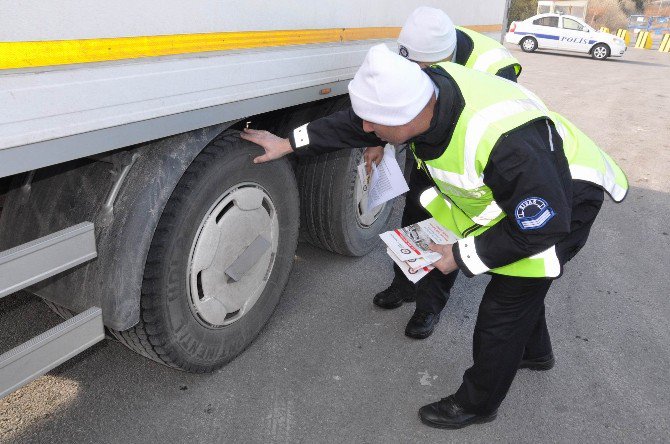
x,y
511,323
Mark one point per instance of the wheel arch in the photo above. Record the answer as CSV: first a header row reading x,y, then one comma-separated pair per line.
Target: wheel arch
x,y
609,48
123,231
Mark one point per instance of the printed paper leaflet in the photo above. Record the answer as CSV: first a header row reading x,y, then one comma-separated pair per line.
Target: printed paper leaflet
x,y
408,247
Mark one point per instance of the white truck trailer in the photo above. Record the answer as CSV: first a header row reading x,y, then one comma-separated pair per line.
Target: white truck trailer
x,y
129,203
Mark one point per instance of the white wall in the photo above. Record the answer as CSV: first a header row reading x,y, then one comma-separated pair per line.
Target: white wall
x,y
25,20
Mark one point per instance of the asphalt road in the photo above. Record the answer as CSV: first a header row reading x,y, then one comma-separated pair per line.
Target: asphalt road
x,y
330,367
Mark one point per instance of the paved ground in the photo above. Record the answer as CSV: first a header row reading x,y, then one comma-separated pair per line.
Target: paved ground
x,y
330,367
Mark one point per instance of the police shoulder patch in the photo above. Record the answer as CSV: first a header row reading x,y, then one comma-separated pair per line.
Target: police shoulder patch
x,y
533,213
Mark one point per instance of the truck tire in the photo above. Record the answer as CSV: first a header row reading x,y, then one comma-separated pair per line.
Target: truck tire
x,y
330,204
196,314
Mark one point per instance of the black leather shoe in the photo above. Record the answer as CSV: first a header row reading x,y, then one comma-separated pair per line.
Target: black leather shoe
x,y
448,414
421,324
397,293
540,364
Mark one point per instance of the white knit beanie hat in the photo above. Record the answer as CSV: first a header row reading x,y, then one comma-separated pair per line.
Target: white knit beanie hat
x,y
427,36
388,89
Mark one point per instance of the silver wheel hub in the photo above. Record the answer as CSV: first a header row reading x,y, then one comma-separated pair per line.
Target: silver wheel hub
x,y
241,216
600,52
528,44
363,217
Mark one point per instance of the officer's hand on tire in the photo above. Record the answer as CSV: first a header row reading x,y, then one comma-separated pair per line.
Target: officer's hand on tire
x,y
372,153
447,264
275,147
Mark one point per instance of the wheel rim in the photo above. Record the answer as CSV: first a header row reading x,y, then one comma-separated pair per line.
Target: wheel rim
x,y
600,52
364,218
528,44
237,218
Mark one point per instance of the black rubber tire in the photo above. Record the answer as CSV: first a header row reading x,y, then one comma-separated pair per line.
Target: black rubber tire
x,y
524,48
601,45
168,331
328,204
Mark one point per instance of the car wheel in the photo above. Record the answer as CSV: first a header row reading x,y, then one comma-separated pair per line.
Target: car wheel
x,y
528,44
600,52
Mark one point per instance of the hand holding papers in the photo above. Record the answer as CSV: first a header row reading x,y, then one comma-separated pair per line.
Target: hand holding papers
x,y
385,182
408,247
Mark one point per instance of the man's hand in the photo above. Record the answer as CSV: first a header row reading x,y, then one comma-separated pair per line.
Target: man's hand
x,y
372,153
447,264
275,147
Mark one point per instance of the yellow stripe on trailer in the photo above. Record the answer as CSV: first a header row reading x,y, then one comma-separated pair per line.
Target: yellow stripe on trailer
x,y
65,52
665,44
625,35
644,40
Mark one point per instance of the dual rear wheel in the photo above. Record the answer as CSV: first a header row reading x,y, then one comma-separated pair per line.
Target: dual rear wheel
x,y
224,248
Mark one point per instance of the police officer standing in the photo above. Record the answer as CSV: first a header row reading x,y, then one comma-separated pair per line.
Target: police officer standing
x,y
427,37
519,185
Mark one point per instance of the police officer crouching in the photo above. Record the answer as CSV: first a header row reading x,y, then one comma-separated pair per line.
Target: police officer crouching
x,y
520,185
427,37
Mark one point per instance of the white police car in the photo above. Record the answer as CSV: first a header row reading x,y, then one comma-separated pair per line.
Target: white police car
x,y
566,33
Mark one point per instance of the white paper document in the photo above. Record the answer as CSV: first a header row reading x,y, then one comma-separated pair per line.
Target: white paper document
x,y
385,182
408,246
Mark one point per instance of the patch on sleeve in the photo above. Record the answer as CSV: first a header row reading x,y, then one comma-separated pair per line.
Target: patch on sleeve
x,y
533,213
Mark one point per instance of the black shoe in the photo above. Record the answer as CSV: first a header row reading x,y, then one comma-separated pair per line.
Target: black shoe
x,y
397,293
540,364
448,414
421,324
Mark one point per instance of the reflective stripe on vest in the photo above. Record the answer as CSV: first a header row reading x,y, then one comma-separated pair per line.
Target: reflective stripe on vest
x,y
587,174
491,57
477,127
488,55
490,213
576,145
